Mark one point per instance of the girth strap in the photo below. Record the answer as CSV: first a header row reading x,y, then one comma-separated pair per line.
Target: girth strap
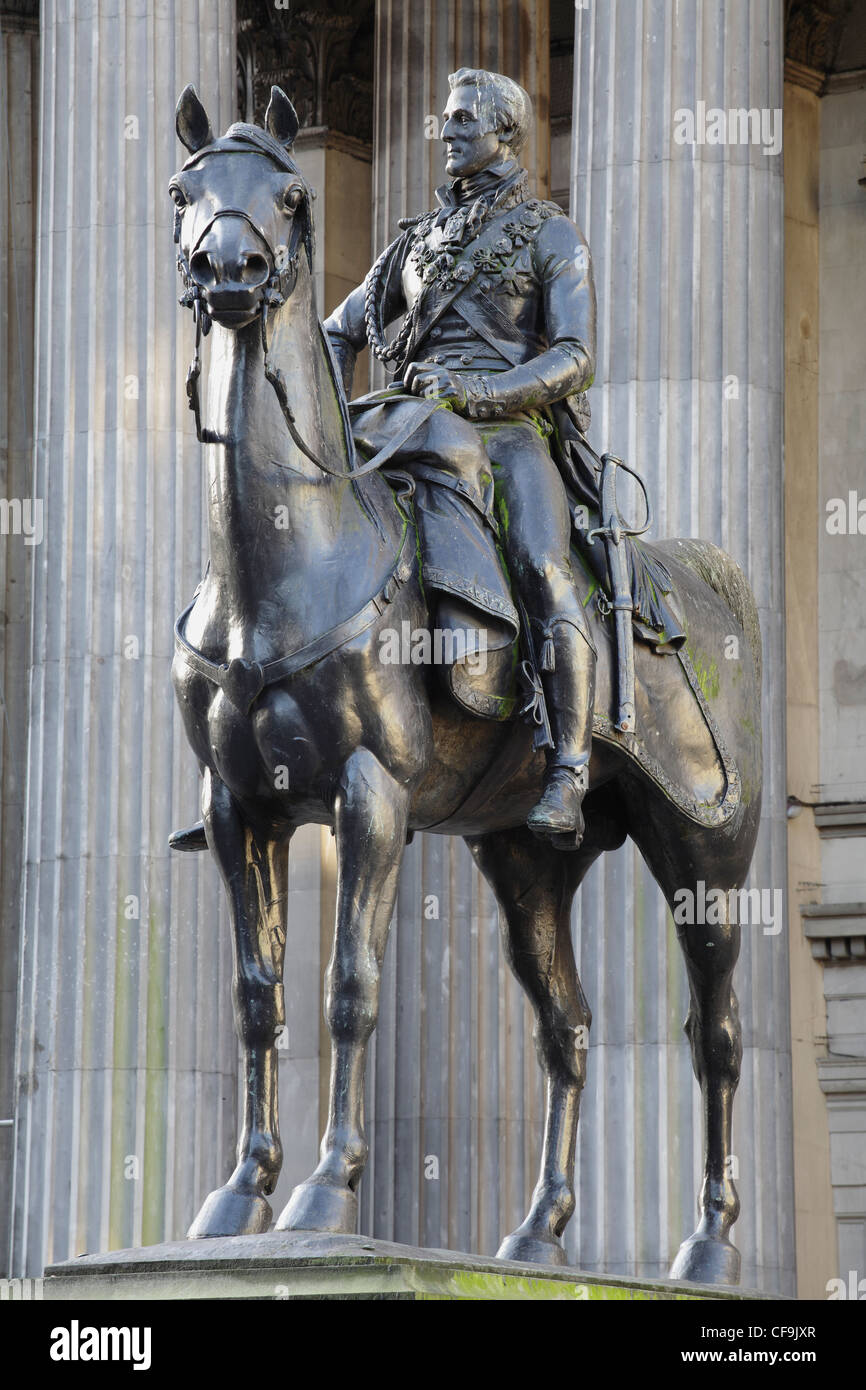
x,y
243,681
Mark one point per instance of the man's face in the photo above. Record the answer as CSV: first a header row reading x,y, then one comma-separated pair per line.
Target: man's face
x,y
469,133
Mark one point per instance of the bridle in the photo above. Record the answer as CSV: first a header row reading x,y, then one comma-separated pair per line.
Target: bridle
x,y
279,287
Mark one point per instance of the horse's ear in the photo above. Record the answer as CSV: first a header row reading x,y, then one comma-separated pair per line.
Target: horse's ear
x,y
191,121
281,118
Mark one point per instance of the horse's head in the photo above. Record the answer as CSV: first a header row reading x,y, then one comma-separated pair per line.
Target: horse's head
x,y
242,213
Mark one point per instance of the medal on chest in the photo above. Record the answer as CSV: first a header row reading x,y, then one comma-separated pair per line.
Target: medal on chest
x,y
446,258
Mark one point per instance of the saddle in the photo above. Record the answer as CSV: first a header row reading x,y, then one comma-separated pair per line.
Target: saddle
x,y
505,685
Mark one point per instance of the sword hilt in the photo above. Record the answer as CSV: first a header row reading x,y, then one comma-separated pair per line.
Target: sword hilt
x,y
614,526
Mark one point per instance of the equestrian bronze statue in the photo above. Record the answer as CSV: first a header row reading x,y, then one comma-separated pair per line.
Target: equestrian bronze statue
x,y
573,705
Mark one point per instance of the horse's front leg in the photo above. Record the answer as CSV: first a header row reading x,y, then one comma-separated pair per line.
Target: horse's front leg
x,y
255,872
534,885
371,812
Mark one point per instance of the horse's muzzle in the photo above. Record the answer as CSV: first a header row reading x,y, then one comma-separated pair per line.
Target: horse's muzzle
x,y
231,277
233,306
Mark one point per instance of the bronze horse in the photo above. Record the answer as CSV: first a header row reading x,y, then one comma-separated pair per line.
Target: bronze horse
x,y
295,719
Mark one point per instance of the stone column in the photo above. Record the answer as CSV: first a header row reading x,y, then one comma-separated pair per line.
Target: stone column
x,y
687,244
841,814
455,1106
815,1222
125,1110
338,169
19,123
417,46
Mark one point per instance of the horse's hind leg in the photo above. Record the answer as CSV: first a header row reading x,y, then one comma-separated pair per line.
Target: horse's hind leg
x,y
255,873
370,813
688,865
534,885
713,1029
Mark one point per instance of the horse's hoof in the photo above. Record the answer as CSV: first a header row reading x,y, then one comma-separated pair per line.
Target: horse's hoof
x,y
531,1249
707,1260
230,1213
318,1206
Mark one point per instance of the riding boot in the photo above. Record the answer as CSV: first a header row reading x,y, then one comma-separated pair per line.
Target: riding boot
x,y
568,664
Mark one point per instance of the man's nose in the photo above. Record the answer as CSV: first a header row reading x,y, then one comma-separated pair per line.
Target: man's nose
x,y
228,256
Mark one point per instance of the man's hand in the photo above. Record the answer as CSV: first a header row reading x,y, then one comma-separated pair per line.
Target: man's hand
x,y
428,379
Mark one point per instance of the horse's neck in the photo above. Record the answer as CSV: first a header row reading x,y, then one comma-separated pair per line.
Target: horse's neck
x,y
277,522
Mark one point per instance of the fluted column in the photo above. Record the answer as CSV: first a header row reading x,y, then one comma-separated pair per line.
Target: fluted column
x,y
455,1105
125,1112
417,46
19,121
687,246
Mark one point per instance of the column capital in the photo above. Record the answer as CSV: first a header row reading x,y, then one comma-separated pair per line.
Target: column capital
x,y
19,14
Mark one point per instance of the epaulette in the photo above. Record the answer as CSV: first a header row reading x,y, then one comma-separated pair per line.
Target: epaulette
x,y
553,209
423,222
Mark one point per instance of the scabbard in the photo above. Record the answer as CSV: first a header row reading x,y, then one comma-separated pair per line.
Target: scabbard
x,y
625,666
623,604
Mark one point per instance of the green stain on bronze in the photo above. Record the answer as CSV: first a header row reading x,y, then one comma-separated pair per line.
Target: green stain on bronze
x,y
707,673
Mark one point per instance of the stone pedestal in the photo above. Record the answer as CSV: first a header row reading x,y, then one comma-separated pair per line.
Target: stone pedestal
x,y
301,1265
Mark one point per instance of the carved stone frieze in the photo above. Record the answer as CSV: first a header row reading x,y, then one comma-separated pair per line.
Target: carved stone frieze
x,y
813,29
19,14
319,51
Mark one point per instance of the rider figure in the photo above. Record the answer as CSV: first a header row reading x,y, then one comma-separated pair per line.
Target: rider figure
x,y
499,304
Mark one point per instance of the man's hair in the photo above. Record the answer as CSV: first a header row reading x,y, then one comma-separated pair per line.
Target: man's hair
x,y
500,100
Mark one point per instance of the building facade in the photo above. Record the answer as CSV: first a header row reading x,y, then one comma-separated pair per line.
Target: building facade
x,y
730,370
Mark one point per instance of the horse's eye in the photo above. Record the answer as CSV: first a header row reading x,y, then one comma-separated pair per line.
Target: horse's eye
x,y
177,196
292,197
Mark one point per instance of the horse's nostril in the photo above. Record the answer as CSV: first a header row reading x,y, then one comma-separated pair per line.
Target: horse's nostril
x,y
254,269
202,269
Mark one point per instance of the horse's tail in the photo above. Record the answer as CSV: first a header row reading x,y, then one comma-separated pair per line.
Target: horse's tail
x,y
726,579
